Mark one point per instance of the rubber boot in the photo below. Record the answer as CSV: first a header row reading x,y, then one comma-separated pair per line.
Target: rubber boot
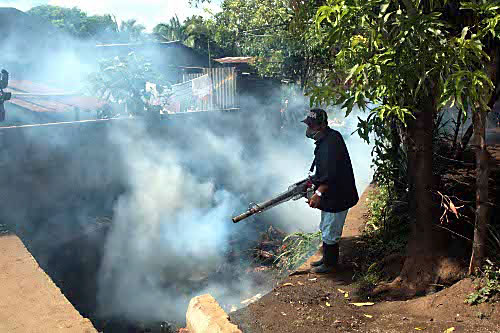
x,y
320,262
330,260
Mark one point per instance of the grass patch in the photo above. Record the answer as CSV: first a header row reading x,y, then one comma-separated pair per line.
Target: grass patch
x,y
296,248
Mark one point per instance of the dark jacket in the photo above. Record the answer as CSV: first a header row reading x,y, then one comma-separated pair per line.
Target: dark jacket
x,y
333,167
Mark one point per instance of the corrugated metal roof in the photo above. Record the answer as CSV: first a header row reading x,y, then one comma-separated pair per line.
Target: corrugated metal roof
x,y
41,98
235,60
139,44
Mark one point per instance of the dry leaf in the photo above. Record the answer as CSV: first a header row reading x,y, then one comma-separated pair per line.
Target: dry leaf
x,y
346,295
453,209
314,279
300,283
419,328
328,304
368,316
288,284
449,330
363,304
341,291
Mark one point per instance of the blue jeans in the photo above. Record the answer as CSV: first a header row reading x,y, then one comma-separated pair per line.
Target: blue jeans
x,y
331,226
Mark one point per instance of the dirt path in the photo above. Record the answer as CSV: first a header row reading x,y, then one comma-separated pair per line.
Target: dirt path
x,y
321,303
29,300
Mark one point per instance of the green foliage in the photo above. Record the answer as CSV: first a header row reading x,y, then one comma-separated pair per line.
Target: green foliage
x,y
277,33
389,156
76,22
123,81
398,59
199,34
367,280
395,55
377,205
488,285
386,216
273,31
171,31
296,247
204,35
130,31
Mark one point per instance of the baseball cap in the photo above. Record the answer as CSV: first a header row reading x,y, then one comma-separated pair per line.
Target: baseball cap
x,y
316,116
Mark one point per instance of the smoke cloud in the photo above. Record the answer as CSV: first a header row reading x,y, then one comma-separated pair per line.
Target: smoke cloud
x,y
174,221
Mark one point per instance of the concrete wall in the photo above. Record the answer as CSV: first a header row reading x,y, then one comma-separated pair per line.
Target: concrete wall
x,y
55,178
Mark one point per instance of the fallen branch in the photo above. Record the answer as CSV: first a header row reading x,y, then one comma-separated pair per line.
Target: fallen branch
x,y
448,206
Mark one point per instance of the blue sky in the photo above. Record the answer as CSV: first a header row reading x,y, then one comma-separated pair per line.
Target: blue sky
x,y
147,12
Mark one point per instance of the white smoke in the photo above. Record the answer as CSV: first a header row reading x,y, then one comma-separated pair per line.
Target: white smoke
x,y
174,221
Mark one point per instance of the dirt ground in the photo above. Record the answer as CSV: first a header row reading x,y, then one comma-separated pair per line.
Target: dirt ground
x,y
29,300
323,303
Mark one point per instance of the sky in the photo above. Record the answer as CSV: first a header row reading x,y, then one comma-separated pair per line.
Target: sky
x,y
146,12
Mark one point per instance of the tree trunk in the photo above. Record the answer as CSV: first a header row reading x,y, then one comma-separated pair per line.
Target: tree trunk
x,y
457,129
481,223
418,269
420,162
482,170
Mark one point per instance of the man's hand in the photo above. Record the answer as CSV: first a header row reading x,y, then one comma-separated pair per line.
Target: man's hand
x,y
314,201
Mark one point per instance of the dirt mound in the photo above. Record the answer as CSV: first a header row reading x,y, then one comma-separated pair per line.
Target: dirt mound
x,y
447,305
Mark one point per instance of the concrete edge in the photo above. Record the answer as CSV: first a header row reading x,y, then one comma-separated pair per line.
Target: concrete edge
x,y
204,315
46,309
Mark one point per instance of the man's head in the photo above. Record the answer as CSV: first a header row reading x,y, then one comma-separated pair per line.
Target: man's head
x,y
317,122
316,118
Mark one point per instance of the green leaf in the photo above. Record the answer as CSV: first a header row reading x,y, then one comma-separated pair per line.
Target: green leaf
x,y
351,73
384,6
464,32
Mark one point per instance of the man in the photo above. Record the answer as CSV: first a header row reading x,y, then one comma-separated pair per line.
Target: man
x,y
336,190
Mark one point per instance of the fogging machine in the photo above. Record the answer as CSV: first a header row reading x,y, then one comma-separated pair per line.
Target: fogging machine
x,y
302,189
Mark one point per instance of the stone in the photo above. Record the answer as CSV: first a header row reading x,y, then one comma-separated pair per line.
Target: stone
x,y
204,315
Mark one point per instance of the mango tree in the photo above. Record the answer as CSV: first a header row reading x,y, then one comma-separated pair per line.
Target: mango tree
x,y
409,60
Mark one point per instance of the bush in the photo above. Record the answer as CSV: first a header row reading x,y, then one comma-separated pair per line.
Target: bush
x,y
488,285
